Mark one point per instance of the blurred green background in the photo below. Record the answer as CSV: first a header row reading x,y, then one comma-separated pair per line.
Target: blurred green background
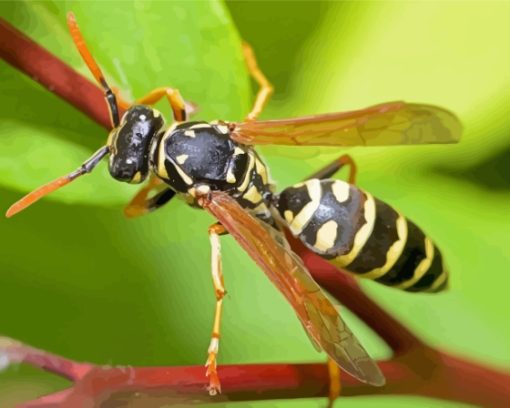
x,y
80,280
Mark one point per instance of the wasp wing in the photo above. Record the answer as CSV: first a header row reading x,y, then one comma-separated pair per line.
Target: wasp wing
x,y
270,250
393,123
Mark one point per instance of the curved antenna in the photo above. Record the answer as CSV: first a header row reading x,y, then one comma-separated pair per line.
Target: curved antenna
x,y
39,193
93,67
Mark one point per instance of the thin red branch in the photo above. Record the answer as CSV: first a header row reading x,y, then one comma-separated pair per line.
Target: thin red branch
x,y
40,65
424,372
415,370
17,352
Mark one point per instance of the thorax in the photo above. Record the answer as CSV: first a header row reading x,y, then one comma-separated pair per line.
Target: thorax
x,y
199,153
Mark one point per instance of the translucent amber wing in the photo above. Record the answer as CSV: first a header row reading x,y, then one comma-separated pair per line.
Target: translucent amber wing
x,y
319,317
394,123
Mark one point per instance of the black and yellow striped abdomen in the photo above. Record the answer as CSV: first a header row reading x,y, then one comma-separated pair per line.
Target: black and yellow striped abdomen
x,y
361,234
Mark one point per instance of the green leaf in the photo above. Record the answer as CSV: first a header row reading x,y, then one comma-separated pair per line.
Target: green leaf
x,y
192,46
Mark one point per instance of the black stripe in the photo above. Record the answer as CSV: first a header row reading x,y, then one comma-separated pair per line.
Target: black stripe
x,y
384,235
293,199
434,271
412,254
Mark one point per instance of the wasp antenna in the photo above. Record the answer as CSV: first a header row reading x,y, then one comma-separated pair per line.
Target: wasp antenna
x,y
79,41
48,188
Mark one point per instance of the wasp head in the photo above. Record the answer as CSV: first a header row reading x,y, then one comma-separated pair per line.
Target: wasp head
x,y
129,143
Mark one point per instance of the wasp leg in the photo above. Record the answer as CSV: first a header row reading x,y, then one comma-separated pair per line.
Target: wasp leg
x,y
335,166
141,204
266,89
174,98
215,231
190,107
335,385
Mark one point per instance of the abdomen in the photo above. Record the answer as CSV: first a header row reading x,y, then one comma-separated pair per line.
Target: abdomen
x,y
363,235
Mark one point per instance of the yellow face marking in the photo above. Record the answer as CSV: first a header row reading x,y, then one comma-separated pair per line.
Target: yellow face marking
x,y
289,216
201,126
253,195
340,190
362,235
156,113
189,133
393,253
422,267
439,281
247,176
238,151
181,158
301,219
261,170
326,236
136,178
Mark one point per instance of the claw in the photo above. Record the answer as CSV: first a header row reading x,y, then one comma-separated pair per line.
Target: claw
x,y
335,385
214,387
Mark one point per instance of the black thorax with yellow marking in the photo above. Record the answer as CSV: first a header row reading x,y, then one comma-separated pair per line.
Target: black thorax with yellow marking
x,y
362,235
191,154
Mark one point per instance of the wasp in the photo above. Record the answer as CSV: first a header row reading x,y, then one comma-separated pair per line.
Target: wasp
x,y
214,166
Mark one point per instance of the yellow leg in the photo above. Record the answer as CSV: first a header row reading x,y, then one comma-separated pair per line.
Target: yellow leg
x,y
214,236
335,385
174,98
266,89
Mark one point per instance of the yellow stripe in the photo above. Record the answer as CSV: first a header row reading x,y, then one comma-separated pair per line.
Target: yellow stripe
x,y
253,195
231,178
362,235
247,176
305,215
261,170
422,267
201,126
161,170
438,282
393,253
187,179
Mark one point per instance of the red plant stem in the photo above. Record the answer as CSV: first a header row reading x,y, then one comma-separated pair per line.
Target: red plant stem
x,y
415,370
423,372
17,352
34,61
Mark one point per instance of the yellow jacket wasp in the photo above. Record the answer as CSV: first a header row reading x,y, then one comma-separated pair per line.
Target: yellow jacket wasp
x,y
215,167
